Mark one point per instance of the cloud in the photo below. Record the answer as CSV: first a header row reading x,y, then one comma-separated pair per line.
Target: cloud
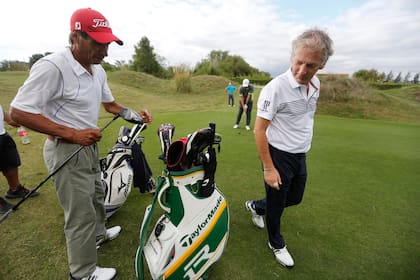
x,y
379,34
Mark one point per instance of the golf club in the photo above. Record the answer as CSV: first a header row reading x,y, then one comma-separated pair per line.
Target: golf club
x,y
5,215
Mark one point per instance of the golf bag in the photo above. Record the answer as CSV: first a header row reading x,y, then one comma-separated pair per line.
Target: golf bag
x,y
192,233
125,165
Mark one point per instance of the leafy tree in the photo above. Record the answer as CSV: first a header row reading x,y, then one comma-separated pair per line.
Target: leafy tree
x,y
407,78
145,60
204,68
222,64
416,78
108,66
389,77
368,75
35,57
121,64
382,76
13,65
212,64
398,78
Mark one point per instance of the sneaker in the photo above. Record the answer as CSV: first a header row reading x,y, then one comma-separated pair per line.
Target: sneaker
x,y
110,234
5,206
21,191
282,256
99,274
258,220
235,126
247,127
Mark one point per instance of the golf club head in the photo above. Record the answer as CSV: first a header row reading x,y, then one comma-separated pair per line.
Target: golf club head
x,y
5,215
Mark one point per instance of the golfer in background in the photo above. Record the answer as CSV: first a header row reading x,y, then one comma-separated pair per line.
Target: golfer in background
x,y
245,103
283,135
62,98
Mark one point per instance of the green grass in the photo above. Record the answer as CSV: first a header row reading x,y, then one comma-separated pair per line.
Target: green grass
x,y
359,218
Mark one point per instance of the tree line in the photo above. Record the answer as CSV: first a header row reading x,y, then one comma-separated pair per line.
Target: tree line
x,y
374,76
146,60
217,62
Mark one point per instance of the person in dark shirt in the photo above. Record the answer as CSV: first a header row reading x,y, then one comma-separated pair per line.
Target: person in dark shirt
x,y
245,103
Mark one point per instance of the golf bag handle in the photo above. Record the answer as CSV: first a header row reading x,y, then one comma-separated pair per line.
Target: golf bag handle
x,y
159,198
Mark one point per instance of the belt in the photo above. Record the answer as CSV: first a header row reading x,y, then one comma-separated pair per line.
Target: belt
x,y
57,139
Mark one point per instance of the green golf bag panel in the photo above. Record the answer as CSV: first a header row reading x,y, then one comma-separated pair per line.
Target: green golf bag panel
x,y
192,233
170,197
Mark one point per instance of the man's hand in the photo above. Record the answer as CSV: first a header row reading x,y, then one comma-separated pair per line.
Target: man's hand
x,y
131,116
146,115
272,178
85,137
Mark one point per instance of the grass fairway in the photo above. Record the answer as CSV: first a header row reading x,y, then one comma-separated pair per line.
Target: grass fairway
x,y
359,218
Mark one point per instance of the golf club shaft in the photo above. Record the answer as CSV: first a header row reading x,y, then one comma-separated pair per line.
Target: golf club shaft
x,y
5,215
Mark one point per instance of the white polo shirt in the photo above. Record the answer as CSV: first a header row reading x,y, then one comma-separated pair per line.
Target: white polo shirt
x,y
59,88
291,111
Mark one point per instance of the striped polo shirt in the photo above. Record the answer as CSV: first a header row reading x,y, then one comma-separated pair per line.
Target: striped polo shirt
x,y
291,111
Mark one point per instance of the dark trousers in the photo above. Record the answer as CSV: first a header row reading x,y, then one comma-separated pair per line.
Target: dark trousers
x,y
231,101
9,154
248,114
292,169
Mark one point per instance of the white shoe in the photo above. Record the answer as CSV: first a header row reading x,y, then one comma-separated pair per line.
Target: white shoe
x,y
235,126
247,127
110,234
258,220
102,274
282,256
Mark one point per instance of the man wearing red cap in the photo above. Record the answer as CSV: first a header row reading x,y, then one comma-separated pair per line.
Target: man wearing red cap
x,y
62,98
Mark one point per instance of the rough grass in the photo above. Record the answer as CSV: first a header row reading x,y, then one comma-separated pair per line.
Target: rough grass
x,y
342,97
359,218
351,98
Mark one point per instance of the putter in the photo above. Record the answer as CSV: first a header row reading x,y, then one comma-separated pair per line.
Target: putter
x,y
5,215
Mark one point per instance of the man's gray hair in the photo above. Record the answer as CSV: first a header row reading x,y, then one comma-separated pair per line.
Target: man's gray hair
x,y
315,39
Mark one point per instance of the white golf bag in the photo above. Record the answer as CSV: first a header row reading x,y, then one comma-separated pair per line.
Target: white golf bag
x,y
192,233
125,165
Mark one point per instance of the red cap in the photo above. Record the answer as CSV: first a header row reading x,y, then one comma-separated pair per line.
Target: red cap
x,y
94,24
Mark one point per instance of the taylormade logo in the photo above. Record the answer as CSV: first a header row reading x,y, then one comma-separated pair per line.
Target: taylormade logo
x,y
184,242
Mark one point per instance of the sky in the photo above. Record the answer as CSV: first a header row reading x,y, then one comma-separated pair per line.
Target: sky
x,y
367,34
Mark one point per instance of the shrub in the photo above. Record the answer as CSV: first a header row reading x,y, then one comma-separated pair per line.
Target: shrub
x,y
341,89
183,79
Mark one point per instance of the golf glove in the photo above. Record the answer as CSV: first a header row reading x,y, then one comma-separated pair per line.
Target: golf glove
x,y
130,116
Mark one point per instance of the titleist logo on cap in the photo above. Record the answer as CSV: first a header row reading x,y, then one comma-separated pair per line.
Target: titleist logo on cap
x,y
96,22
99,22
